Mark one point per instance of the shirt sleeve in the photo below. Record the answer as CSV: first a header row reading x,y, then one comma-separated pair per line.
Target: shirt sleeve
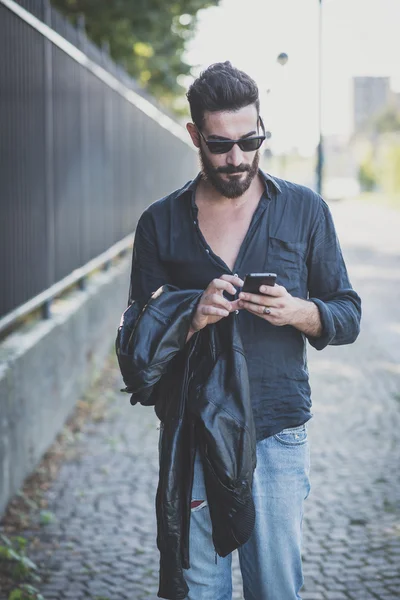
x,y
147,272
329,286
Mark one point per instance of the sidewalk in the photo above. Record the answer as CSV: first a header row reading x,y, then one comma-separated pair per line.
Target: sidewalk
x,y
102,543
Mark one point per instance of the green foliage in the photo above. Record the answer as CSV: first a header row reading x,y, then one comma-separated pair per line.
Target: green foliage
x,y
366,174
47,517
390,168
381,123
147,36
12,551
386,122
380,167
25,592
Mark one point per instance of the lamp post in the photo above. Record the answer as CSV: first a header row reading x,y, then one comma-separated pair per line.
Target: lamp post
x,y
282,59
320,149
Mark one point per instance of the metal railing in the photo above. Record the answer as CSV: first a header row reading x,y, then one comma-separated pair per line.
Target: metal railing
x,y
82,153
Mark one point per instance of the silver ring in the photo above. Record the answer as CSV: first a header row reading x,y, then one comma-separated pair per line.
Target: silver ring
x,y
266,311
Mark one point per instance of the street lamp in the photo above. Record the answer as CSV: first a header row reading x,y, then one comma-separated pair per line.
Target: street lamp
x,y
282,59
320,148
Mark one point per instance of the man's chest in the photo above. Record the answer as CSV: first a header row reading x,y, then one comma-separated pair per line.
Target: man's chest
x,y
225,233
195,247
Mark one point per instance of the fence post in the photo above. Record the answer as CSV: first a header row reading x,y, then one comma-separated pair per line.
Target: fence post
x,y
49,162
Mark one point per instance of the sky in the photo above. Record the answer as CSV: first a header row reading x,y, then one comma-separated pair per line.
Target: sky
x,y
359,37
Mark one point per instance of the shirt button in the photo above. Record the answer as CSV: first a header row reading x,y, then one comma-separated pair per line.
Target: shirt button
x,y
194,223
207,250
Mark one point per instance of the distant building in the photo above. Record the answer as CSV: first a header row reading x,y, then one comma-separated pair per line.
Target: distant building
x,y
371,96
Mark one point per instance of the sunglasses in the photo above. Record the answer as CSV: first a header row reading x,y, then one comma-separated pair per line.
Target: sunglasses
x,y
249,144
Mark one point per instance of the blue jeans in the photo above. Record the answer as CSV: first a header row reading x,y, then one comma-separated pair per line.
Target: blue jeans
x,y
270,561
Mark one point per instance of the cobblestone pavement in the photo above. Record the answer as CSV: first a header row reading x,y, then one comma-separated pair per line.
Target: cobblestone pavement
x,y
102,545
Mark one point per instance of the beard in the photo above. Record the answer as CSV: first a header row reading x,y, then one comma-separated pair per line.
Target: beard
x,y
229,188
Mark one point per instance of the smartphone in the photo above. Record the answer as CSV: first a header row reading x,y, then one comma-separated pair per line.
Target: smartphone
x,y
253,281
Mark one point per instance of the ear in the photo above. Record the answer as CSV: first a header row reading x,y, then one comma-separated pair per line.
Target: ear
x,y
194,134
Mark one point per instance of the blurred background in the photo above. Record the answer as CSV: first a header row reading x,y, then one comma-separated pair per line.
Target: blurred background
x,y
92,115
339,76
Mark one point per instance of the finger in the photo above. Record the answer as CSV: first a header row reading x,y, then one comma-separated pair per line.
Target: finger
x,y
207,309
256,309
234,279
273,290
235,305
216,299
262,299
222,285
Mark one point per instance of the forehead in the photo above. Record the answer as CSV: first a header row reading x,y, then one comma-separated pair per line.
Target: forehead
x,y
231,124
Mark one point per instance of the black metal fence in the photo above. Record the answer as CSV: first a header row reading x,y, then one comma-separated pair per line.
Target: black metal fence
x,y
80,157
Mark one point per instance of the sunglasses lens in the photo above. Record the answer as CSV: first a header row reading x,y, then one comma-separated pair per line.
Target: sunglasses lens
x,y
219,147
222,146
251,144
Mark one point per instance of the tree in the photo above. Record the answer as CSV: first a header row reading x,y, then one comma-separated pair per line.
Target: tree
x,y
387,121
366,173
147,36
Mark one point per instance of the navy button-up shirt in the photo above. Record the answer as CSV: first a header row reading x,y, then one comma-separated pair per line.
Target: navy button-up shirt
x,y
291,234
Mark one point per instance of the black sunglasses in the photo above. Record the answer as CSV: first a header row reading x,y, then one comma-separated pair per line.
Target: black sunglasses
x,y
249,144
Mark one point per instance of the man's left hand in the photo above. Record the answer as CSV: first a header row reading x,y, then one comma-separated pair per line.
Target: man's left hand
x,y
284,309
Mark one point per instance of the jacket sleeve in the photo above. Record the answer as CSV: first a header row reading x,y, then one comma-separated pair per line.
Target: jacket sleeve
x,y
147,271
329,286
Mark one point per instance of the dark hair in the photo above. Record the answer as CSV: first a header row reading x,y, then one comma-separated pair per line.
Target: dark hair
x,y
221,87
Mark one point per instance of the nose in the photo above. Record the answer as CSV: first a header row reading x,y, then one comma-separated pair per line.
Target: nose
x,y
235,156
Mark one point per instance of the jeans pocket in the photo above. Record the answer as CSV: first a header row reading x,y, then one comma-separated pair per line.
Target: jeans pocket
x,y
293,436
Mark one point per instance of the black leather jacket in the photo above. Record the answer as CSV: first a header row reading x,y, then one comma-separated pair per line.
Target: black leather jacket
x,y
200,391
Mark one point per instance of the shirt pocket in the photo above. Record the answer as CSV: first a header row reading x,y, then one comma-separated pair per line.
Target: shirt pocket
x,y
288,260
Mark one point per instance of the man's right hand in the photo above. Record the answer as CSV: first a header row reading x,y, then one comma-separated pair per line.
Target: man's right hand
x,y
213,306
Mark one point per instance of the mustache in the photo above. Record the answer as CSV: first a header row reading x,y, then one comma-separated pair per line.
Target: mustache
x,y
230,169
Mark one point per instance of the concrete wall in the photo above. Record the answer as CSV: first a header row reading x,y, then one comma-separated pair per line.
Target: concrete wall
x,y
46,366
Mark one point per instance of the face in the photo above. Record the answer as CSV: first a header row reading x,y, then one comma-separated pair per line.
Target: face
x,y
231,173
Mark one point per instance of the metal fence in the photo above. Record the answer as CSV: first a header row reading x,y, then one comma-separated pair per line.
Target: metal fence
x,y
81,153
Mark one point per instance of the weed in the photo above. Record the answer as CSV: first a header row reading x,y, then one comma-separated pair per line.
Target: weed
x,y
25,592
47,517
19,567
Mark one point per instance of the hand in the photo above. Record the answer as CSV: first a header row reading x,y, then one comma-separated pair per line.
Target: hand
x,y
284,309
213,306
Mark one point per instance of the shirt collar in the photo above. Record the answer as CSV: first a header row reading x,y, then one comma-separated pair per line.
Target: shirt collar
x,y
270,180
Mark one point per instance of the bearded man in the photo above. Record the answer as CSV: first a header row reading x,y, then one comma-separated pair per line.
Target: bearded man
x,y
231,220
